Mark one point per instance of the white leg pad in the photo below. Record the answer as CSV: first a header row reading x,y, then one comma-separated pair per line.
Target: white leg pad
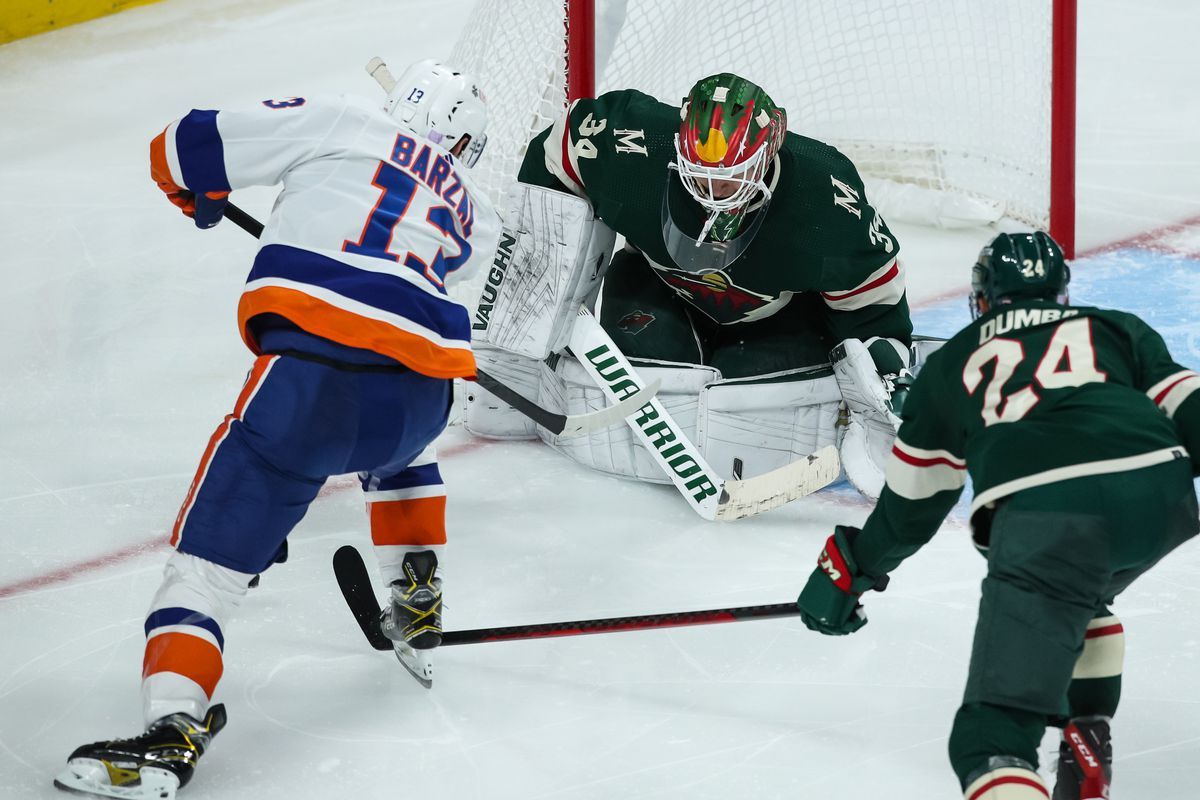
x,y
486,415
766,425
614,450
763,425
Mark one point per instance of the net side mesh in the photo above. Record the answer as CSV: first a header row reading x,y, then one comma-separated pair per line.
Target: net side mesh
x,y
950,97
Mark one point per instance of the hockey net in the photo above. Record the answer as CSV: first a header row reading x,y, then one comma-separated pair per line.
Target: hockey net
x,y
945,106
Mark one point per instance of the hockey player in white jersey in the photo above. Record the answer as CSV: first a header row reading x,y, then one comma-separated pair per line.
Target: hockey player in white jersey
x,y
356,343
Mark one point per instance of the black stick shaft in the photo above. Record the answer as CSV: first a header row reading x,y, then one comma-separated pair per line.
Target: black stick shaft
x,y
619,624
243,220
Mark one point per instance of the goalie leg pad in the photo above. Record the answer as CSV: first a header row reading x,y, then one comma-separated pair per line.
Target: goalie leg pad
x,y
488,416
570,390
762,426
551,256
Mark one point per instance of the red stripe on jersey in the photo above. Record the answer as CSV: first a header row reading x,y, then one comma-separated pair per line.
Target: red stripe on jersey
x,y
1107,630
1162,395
887,276
1011,780
566,153
916,461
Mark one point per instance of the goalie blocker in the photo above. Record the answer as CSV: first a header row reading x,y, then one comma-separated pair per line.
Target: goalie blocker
x,y
552,256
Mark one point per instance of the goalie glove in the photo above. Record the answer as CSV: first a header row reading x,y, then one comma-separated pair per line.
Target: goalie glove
x,y
829,601
873,403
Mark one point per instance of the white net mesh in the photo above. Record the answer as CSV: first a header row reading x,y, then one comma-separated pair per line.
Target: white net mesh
x,y
949,94
944,99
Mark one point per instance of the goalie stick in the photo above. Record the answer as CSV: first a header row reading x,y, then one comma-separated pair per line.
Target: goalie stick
x,y
559,424
709,495
355,583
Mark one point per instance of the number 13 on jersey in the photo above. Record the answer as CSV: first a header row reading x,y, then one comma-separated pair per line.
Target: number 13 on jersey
x,y
398,189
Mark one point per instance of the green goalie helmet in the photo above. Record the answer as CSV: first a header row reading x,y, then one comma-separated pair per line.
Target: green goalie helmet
x,y
1018,266
729,133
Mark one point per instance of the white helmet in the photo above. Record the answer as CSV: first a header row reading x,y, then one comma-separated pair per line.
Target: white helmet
x,y
442,105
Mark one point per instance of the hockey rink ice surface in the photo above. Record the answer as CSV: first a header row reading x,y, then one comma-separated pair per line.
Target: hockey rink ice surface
x,y
119,356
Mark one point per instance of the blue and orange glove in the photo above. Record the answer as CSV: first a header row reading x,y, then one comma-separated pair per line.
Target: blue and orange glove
x,y
829,602
206,209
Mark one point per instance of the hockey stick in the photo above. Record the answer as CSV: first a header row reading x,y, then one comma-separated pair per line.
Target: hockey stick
x,y
709,495
355,583
559,424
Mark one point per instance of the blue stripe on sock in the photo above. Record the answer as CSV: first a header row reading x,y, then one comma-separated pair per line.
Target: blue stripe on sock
x,y
165,617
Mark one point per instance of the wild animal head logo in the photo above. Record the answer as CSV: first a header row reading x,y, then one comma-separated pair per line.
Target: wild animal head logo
x,y
635,322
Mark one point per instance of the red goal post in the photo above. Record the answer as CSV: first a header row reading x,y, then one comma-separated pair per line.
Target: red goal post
x,y
955,112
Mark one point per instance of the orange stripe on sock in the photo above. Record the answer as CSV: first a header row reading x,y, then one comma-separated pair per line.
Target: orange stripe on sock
x,y
190,656
420,521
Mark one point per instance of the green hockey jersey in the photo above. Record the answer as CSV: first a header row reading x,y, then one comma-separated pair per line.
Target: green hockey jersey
x,y
819,234
1031,393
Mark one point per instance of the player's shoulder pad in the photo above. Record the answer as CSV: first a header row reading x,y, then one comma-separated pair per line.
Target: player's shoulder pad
x,y
623,108
813,158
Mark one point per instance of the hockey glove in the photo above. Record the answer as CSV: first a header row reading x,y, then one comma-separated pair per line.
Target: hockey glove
x,y
206,210
829,602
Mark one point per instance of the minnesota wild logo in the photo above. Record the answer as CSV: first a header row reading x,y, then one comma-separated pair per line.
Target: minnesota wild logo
x,y
715,294
635,322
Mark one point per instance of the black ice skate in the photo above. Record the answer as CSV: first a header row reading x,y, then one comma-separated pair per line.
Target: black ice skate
x,y
1084,760
413,618
147,767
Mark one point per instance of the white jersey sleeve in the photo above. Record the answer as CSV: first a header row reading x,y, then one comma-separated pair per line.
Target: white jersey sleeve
x,y
372,222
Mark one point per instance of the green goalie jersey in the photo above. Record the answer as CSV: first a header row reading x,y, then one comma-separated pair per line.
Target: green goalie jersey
x,y
819,234
1029,394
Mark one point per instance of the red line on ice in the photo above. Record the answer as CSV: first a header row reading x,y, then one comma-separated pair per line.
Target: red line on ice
x,y
160,541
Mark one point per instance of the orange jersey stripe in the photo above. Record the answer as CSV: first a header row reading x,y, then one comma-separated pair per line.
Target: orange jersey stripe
x,y
322,319
420,521
190,656
201,470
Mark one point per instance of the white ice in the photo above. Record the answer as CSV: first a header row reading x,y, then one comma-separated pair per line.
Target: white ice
x,y
119,356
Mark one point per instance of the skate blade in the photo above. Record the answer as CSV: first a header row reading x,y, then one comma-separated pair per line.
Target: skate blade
x,y
89,777
419,663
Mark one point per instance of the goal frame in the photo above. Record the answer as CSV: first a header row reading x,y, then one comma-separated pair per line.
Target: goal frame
x,y
580,24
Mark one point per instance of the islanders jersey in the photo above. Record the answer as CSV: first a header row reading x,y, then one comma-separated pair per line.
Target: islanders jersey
x,y
371,224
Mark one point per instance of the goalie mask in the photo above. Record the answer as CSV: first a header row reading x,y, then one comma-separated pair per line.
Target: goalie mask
x,y
729,134
1018,266
444,106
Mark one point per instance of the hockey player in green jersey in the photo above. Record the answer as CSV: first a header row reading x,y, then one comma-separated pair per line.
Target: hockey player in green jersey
x,y
1079,432
750,253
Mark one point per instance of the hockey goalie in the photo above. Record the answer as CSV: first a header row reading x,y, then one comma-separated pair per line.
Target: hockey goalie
x,y
752,278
